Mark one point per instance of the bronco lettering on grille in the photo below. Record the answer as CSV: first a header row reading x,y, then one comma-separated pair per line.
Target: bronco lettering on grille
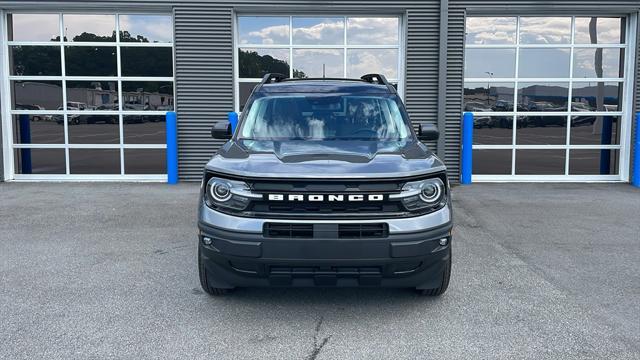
x,y
322,197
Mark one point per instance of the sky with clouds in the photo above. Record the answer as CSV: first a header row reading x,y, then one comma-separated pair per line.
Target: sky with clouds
x,y
44,27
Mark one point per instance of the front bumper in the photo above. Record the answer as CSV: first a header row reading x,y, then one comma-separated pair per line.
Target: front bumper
x,y
414,258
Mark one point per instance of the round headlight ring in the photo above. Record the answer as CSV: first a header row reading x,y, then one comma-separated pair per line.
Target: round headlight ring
x,y
431,191
220,190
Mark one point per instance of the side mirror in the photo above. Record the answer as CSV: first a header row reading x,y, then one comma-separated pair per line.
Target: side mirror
x,y
428,132
221,130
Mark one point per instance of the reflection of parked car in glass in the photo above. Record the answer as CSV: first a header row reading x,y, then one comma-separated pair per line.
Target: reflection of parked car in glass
x,y
503,105
34,117
479,121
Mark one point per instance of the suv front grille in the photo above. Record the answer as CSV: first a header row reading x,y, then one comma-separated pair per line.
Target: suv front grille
x,y
326,209
330,231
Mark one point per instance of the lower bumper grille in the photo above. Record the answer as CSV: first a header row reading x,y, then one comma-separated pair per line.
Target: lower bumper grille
x,y
330,231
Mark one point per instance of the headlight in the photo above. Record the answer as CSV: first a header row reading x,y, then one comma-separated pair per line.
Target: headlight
x,y
423,195
230,194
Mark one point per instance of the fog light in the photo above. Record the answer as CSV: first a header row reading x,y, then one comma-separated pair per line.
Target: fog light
x,y
207,241
443,242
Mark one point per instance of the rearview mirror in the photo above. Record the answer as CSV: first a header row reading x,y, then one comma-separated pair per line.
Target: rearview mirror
x,y
221,130
428,132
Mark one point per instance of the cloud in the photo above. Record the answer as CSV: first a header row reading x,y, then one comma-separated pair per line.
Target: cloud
x,y
277,34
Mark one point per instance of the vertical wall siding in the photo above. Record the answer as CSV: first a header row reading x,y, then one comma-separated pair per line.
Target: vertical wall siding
x,y
204,82
421,74
455,79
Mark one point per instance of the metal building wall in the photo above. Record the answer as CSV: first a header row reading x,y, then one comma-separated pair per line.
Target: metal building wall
x,y
204,55
204,65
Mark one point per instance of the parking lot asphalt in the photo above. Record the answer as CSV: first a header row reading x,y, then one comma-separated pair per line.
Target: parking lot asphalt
x,y
108,271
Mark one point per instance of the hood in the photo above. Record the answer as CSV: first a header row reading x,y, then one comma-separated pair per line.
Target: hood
x,y
324,159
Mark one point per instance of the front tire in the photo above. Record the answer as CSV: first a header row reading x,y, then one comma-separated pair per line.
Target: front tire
x,y
202,272
444,284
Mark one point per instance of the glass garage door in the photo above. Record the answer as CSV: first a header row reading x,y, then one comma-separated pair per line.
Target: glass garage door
x,y
88,94
550,97
315,47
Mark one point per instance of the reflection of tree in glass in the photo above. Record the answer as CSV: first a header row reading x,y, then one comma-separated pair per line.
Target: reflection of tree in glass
x,y
35,60
254,65
125,36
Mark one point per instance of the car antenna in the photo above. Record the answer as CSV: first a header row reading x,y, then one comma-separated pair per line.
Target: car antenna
x,y
323,76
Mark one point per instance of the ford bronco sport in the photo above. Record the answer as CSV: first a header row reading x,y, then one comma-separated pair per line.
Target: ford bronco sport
x,y
323,182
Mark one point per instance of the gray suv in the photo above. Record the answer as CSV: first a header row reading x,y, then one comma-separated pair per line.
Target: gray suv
x,y
323,182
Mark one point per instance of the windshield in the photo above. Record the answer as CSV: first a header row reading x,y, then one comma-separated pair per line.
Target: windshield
x,y
324,117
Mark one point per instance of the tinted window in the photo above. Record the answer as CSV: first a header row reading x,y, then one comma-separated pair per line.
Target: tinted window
x,y
89,27
33,27
36,95
93,129
263,30
145,161
492,130
255,63
245,89
92,95
146,28
541,130
367,61
543,96
544,63
491,30
90,61
35,60
144,129
147,95
595,130
596,96
488,96
491,162
593,161
94,161
37,129
502,64
317,63
318,31
39,161
147,61
540,162
372,31
599,30
545,30
587,64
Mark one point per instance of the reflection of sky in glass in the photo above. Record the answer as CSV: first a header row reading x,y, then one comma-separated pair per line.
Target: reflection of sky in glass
x,y
607,31
156,28
584,64
35,27
490,63
310,62
263,30
76,24
544,63
318,31
372,31
545,30
367,61
491,30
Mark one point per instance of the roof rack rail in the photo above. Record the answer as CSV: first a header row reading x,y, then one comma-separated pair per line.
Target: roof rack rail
x,y
272,78
380,79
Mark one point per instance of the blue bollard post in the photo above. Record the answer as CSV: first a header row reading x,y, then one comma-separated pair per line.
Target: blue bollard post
x,y
25,138
636,154
233,120
466,162
605,139
172,148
